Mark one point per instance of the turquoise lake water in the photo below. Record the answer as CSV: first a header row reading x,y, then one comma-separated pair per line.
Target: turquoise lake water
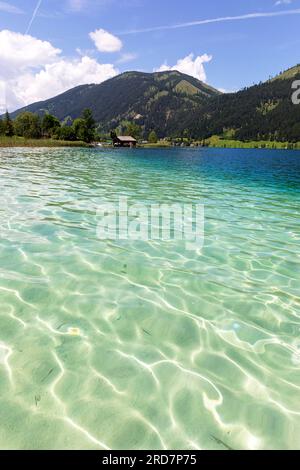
x,y
142,344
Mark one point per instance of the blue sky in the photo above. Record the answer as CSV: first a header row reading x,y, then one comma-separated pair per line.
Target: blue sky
x,y
231,54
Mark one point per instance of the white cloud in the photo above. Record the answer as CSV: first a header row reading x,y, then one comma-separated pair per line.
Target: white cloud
x,y
189,66
225,90
2,97
127,57
21,51
86,5
9,8
283,2
105,41
8,99
77,5
61,76
34,70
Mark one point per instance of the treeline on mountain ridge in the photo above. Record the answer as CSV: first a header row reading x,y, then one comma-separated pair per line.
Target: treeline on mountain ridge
x,y
32,126
175,105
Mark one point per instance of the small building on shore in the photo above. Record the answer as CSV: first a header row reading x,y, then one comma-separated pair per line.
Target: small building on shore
x,y
125,141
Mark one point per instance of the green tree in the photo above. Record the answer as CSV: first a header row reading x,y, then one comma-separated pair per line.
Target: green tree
x,y
66,133
153,137
2,127
8,125
132,129
50,124
85,127
186,134
90,125
113,135
295,133
80,129
28,125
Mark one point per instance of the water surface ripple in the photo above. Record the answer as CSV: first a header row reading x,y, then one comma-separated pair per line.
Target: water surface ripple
x,y
144,345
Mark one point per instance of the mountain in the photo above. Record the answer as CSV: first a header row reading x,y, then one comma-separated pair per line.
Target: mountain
x,y
154,100
291,73
173,104
261,112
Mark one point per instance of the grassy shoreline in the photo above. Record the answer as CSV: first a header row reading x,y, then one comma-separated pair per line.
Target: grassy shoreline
x,y
7,142
218,142
212,142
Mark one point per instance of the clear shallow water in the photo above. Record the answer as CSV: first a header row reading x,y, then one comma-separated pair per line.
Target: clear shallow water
x,y
144,344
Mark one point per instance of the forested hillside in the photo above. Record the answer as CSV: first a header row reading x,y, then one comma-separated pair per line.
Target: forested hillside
x,y
262,112
173,104
156,101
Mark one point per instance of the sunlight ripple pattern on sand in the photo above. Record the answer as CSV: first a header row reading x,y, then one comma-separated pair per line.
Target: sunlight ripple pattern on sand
x,y
144,345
